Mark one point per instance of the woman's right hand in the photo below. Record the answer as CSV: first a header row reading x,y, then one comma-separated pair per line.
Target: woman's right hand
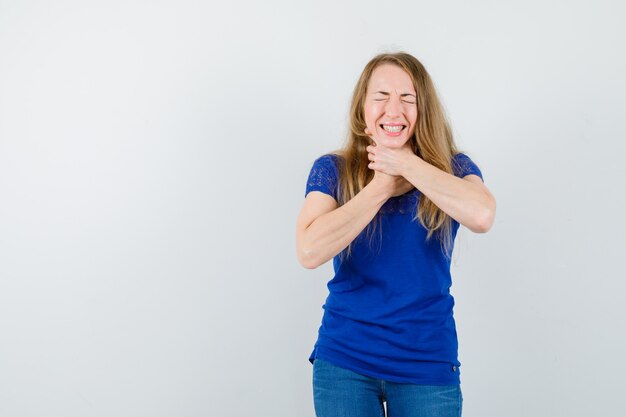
x,y
393,185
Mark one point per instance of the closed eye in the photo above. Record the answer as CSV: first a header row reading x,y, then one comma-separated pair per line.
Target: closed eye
x,y
383,99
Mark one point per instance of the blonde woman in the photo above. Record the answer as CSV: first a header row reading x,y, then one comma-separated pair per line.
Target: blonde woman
x,y
386,208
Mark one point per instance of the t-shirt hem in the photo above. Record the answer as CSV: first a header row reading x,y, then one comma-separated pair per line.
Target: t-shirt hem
x,y
335,360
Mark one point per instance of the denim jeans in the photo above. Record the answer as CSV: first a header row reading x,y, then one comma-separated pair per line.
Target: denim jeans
x,y
340,392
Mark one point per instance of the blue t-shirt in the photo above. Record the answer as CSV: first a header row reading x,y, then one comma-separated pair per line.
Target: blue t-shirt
x,y
389,313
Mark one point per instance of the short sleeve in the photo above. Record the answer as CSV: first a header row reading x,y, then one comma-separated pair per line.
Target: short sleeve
x,y
462,165
323,176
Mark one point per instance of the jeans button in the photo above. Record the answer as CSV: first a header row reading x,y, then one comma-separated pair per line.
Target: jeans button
x,y
453,368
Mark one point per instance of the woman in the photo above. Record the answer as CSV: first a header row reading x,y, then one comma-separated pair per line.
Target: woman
x,y
386,207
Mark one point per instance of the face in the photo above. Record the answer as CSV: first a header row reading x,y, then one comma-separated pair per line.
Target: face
x,y
390,106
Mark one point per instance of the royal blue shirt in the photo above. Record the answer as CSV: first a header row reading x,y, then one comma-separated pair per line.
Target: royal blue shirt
x,y
389,311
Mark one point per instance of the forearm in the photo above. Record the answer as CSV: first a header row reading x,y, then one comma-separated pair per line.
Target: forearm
x,y
332,232
466,202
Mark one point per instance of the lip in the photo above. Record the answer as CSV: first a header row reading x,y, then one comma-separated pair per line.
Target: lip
x,y
393,134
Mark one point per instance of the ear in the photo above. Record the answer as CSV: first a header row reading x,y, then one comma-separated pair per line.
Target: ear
x,y
369,134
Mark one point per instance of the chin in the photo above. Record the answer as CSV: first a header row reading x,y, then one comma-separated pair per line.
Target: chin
x,y
395,143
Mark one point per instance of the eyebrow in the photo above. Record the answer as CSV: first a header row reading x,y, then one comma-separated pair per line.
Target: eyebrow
x,y
401,95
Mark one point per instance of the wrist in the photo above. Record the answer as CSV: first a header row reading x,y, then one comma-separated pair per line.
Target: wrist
x,y
378,190
410,164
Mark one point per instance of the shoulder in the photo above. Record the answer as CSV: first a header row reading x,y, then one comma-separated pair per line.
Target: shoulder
x,y
463,165
328,162
460,157
324,175
329,159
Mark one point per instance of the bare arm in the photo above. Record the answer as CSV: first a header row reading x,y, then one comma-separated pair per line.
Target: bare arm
x,y
467,199
323,229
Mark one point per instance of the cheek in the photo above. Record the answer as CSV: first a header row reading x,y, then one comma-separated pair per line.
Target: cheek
x,y
413,118
412,114
369,119
372,113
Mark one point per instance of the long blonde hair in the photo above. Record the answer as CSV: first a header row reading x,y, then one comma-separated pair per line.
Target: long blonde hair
x,y
432,141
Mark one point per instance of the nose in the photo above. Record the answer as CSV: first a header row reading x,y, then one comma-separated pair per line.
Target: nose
x,y
393,106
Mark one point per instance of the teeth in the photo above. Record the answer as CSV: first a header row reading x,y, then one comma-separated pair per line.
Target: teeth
x,y
393,129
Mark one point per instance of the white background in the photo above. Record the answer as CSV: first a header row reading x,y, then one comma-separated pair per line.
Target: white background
x,y
153,160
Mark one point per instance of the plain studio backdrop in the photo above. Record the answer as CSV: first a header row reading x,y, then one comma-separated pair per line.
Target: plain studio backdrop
x,y
153,160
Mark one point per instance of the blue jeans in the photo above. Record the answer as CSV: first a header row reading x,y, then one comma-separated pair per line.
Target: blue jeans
x,y
340,392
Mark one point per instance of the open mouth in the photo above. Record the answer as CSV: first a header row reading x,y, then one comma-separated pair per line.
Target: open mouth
x,y
393,128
